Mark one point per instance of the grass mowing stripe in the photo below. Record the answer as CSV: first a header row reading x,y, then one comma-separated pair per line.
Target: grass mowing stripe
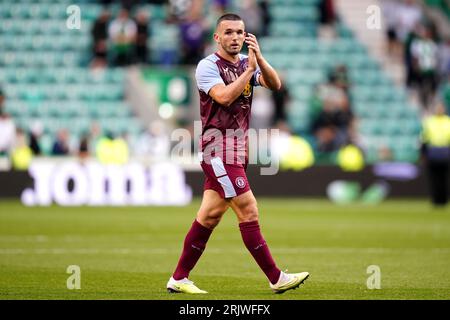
x,y
129,252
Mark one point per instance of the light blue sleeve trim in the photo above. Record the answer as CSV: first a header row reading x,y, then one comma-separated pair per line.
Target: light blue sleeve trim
x,y
256,75
207,75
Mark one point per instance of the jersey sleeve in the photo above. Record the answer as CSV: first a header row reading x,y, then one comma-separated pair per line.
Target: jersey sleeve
x,y
207,75
256,75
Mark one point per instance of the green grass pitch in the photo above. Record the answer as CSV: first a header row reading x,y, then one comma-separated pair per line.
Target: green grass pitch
x,y
129,253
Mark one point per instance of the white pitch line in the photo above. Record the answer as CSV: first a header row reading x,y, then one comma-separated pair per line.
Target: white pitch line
x,y
126,251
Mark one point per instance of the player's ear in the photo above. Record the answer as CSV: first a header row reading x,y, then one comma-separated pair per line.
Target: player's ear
x,y
216,37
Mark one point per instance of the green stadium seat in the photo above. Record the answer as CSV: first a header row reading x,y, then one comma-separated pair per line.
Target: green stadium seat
x,y
292,29
370,127
23,122
301,92
293,13
81,124
410,127
114,76
105,111
344,32
391,127
31,93
306,77
406,154
16,108
56,11
90,11
157,12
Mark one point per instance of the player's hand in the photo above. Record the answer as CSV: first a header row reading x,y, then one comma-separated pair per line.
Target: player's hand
x,y
252,44
252,64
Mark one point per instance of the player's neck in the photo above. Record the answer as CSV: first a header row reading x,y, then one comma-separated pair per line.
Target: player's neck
x,y
224,55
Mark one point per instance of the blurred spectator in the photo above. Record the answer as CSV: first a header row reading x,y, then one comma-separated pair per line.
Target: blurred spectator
x,y
390,11
34,137
262,110
142,22
350,158
122,34
221,5
179,10
340,74
327,12
424,53
193,34
121,150
251,13
290,151
280,100
444,59
210,27
384,153
22,154
61,144
99,34
327,18
128,4
409,15
95,134
333,122
83,147
2,99
7,133
436,153
112,150
444,94
315,104
154,142
410,79
265,17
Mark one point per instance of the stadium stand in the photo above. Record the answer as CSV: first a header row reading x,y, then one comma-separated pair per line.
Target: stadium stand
x,y
43,70
44,73
383,111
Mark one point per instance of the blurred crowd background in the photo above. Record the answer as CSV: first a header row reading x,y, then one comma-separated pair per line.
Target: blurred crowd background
x,y
67,92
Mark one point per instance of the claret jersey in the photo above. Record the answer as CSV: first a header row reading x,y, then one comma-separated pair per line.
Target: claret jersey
x,y
228,121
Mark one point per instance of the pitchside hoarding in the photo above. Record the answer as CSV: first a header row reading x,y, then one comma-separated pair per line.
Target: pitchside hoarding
x,y
72,183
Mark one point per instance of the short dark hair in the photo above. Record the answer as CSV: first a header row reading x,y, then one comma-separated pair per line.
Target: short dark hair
x,y
228,16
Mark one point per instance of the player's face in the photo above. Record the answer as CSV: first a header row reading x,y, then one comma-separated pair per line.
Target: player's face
x,y
230,36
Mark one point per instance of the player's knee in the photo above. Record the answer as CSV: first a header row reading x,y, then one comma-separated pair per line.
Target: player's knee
x,y
250,211
211,218
211,222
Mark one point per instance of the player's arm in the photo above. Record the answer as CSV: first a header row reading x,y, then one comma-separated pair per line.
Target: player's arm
x,y
226,94
269,77
209,81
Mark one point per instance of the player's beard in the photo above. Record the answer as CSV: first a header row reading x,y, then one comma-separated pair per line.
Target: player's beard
x,y
232,51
